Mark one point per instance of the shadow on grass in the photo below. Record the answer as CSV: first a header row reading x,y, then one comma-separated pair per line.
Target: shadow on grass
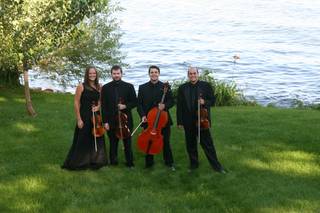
x,y
250,186
273,166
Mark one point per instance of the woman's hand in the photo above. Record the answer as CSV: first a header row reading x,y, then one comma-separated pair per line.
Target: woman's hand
x,y
95,108
80,123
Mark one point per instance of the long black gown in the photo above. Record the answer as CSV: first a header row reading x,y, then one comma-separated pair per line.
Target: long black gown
x,y
82,154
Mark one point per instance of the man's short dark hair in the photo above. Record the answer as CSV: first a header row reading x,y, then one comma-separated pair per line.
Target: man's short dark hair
x,y
154,67
116,67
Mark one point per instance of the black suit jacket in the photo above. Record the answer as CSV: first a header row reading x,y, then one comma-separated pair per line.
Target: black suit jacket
x,y
147,100
110,94
185,115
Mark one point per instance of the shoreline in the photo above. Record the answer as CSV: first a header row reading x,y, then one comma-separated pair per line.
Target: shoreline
x,y
296,104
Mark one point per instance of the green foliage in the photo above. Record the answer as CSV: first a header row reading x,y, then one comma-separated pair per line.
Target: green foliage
x,y
59,36
9,76
226,93
315,106
296,103
301,105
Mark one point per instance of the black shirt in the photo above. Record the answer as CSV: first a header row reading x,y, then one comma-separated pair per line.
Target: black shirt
x,y
194,96
150,95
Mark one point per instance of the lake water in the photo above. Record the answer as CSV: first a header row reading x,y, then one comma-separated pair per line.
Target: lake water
x,y
278,43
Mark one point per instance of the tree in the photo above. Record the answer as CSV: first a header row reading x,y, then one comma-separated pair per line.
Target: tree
x,y
56,36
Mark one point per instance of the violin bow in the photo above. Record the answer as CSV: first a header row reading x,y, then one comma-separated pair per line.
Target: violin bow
x,y
94,131
136,128
119,120
199,132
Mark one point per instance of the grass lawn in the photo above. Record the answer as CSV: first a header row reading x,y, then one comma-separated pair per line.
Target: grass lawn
x,y
273,158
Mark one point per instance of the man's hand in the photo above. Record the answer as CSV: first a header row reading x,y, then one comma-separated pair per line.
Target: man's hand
x,y
122,106
106,126
161,106
144,119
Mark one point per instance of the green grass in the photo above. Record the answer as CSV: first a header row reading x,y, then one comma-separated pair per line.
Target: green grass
x,y
272,155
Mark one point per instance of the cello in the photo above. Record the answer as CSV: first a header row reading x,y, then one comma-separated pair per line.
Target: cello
x,y
150,141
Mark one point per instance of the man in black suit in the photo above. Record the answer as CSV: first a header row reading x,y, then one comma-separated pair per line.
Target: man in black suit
x,y
111,94
187,106
149,96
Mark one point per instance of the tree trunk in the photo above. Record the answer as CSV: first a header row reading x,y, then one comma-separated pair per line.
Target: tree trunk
x,y
29,106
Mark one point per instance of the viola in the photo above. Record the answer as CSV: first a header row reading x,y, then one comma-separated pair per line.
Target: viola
x,y
122,129
150,141
203,115
97,129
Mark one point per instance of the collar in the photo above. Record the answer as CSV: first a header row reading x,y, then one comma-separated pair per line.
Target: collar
x,y
116,82
154,84
194,85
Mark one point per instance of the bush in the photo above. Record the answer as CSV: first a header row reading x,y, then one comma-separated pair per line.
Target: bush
x,y
298,104
226,93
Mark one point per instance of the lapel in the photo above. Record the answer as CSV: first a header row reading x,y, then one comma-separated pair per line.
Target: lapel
x,y
187,96
199,90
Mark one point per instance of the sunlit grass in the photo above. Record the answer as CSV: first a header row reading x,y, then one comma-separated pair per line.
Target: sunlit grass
x,y
26,127
272,155
3,99
19,100
288,163
33,184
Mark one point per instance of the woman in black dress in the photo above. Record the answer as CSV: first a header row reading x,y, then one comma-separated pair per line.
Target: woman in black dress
x,y
82,154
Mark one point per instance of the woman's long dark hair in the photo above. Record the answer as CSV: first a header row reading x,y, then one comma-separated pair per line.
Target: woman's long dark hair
x,y
86,77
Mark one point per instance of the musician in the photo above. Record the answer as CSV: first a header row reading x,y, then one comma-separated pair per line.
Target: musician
x,y
111,95
187,104
149,96
82,154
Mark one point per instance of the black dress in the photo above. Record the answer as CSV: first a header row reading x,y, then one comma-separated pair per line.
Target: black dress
x,y
82,154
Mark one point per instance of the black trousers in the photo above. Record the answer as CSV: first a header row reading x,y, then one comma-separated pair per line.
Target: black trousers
x,y
206,142
167,153
114,141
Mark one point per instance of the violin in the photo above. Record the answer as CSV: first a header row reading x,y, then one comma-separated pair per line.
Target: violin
x,y
122,129
150,141
203,116
97,129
